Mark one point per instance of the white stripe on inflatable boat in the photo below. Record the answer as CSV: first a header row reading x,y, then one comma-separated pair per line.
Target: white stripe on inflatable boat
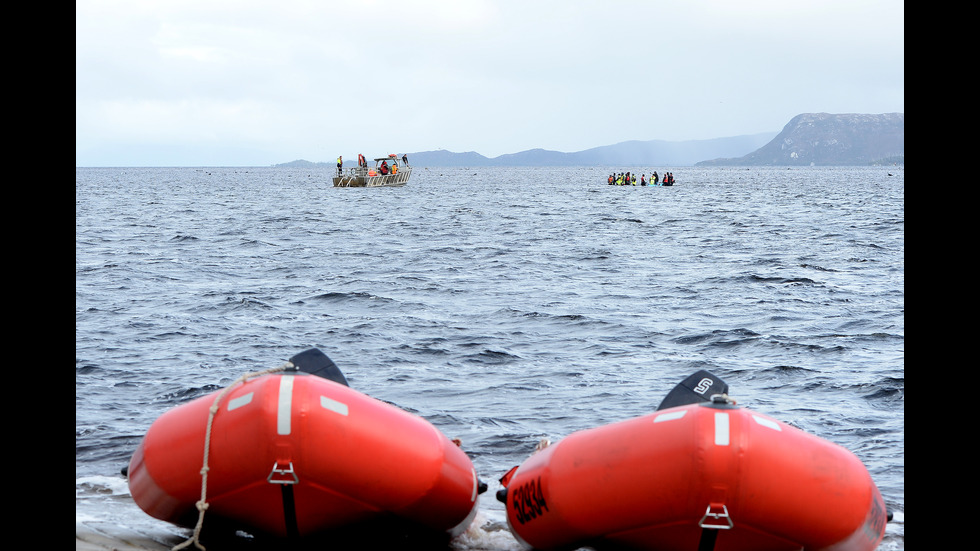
x,y
333,405
242,400
283,425
670,416
721,429
476,482
768,423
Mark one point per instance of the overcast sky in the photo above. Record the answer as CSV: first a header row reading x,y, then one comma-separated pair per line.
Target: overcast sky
x,y
257,82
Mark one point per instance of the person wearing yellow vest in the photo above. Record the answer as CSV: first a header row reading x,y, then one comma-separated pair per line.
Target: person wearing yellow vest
x,y
340,165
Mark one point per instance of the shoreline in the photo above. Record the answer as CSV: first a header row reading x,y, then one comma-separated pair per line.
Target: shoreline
x,y
106,536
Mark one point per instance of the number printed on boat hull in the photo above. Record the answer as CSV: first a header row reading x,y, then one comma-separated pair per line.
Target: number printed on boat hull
x,y
528,502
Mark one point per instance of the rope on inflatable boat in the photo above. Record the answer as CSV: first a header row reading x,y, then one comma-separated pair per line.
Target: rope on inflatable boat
x,y
202,505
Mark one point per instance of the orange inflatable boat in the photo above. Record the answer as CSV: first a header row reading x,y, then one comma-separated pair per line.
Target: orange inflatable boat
x,y
298,452
701,476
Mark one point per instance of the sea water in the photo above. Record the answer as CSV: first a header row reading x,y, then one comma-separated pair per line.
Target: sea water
x,y
504,305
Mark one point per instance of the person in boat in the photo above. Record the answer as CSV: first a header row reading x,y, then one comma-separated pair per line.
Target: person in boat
x,y
394,168
384,167
340,164
405,158
361,161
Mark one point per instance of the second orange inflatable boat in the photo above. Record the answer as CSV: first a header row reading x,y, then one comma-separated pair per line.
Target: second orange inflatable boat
x,y
703,476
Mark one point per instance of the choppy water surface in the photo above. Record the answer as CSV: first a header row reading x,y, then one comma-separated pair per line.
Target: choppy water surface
x,y
504,305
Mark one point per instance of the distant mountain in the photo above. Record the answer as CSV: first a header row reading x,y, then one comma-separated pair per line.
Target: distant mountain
x,y
630,153
810,138
823,139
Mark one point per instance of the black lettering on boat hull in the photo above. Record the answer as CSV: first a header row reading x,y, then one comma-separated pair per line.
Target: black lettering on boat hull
x,y
528,501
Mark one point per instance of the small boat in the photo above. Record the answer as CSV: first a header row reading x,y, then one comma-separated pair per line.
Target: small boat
x,y
297,453
697,474
385,173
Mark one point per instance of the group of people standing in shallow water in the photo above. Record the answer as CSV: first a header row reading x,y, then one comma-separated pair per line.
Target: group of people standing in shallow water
x,y
629,179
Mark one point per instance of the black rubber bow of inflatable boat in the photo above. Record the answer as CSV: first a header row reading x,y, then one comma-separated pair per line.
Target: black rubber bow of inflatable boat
x,y
315,362
697,387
